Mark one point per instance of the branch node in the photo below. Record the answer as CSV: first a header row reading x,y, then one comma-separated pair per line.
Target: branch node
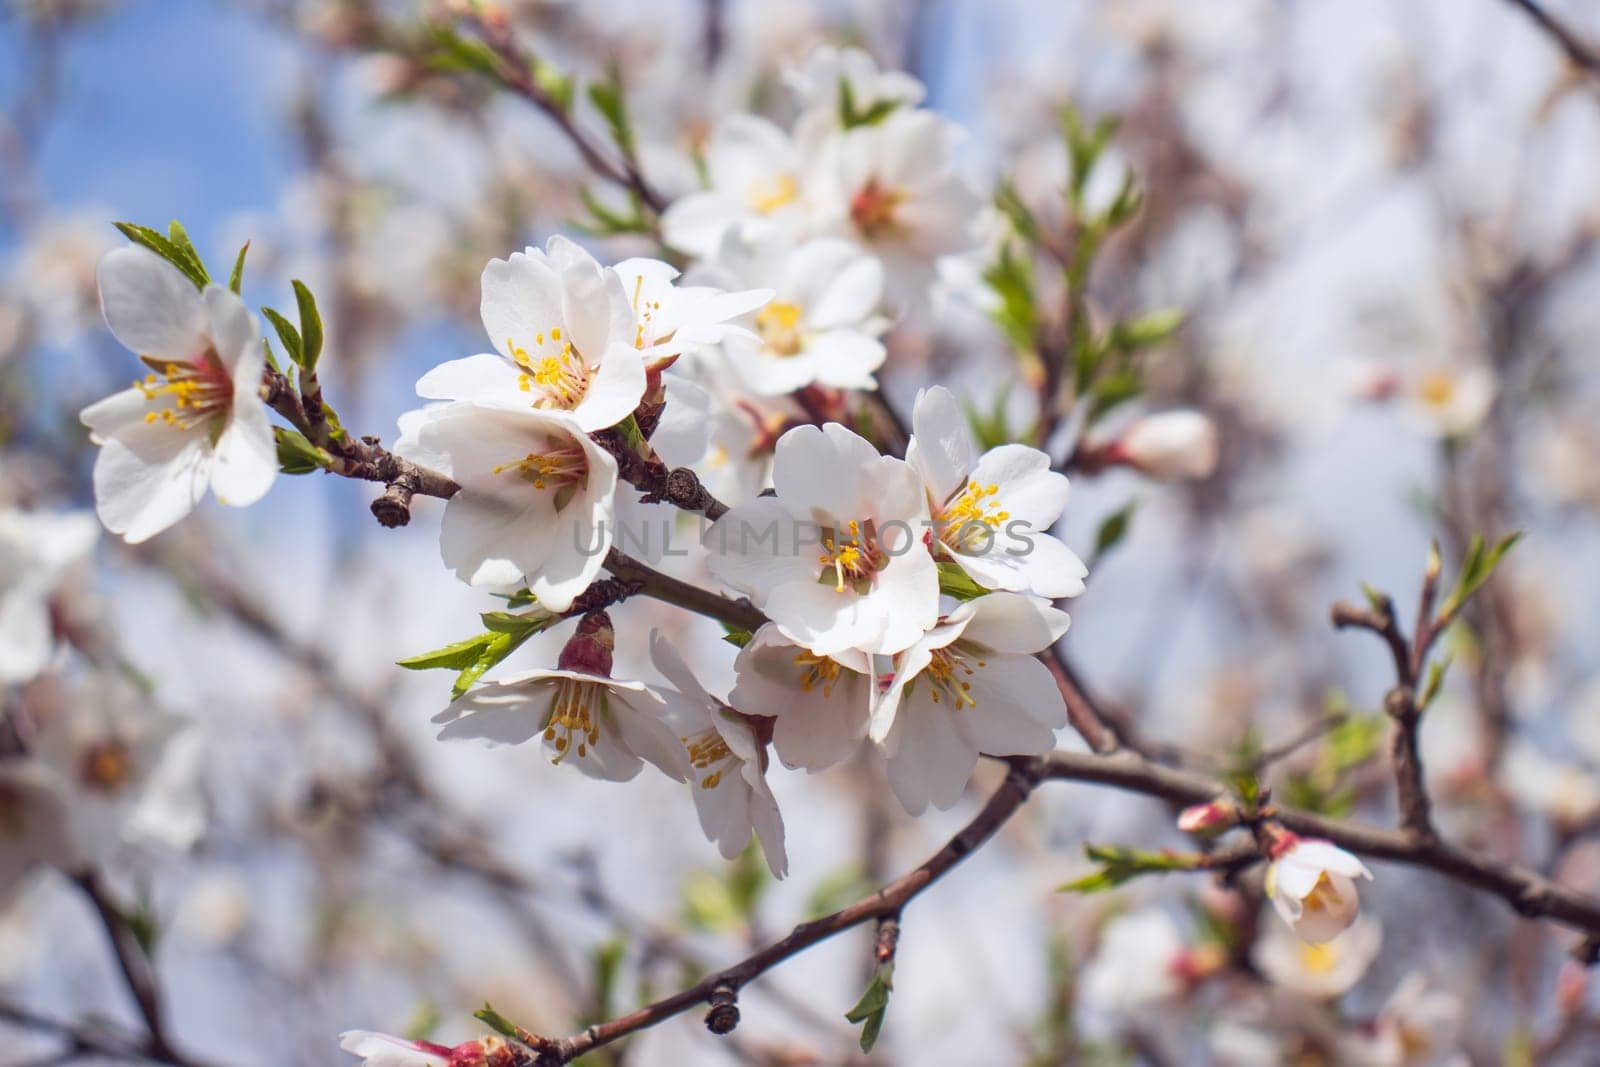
x,y
393,506
723,1015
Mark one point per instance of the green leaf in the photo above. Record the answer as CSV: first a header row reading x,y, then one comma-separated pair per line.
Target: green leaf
x,y
953,581
873,1006
559,87
452,53
163,247
296,454
456,656
286,333
236,279
844,886
310,326
1010,277
1121,865
608,99
1435,681
606,961
1146,331
1112,390
605,221
1476,569
1113,529
495,1021
180,240
736,636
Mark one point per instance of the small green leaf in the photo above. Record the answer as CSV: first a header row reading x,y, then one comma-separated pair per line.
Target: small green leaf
x,y
1146,331
495,1021
608,99
310,326
286,334
451,53
456,656
736,636
236,279
1121,865
873,1006
296,454
1476,569
1113,529
164,247
1435,681
953,581
557,86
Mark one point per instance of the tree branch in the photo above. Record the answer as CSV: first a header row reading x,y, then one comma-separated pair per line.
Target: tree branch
x,y
1577,52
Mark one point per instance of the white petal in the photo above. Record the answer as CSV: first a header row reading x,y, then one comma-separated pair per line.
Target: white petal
x,y
246,456
148,477
150,306
487,378
521,299
1009,622
236,332
614,391
943,450
933,761
1018,709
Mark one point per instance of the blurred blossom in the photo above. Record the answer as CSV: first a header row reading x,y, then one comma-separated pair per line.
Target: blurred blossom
x,y
1419,1026
1319,971
1567,793
1137,966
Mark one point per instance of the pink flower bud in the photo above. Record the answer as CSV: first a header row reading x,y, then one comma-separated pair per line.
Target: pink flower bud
x,y
1209,818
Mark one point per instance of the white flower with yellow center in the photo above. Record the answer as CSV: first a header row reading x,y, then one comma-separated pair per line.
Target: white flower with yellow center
x,y
1322,970
893,188
836,558
602,726
727,761
1450,400
992,513
821,327
971,685
755,182
563,330
536,496
124,772
1312,884
38,551
821,704
671,319
196,418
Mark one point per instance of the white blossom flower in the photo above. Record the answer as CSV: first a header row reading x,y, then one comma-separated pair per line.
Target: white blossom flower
x,y
605,726
992,513
970,685
536,499
1323,970
1138,964
728,764
1312,884
671,319
821,704
829,72
821,327
564,332
1449,400
1171,445
197,418
384,1050
892,186
38,551
836,558
1565,792
105,771
755,175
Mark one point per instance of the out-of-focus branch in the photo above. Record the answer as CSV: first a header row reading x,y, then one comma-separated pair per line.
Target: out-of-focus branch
x,y
137,974
1579,53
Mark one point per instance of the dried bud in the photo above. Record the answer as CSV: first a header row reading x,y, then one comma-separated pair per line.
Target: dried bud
x,y
589,650
1212,817
724,1013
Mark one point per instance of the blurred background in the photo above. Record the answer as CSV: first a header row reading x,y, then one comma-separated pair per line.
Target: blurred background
x,y
1379,218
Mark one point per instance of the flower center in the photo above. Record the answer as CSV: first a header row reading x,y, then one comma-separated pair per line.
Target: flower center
x,y
1323,895
189,393
1436,388
779,326
819,670
948,672
850,561
1318,959
872,209
105,767
644,331
561,467
708,750
555,367
770,194
575,714
966,521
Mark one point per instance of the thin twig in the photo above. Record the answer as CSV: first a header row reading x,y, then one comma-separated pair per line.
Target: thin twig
x,y
1577,52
